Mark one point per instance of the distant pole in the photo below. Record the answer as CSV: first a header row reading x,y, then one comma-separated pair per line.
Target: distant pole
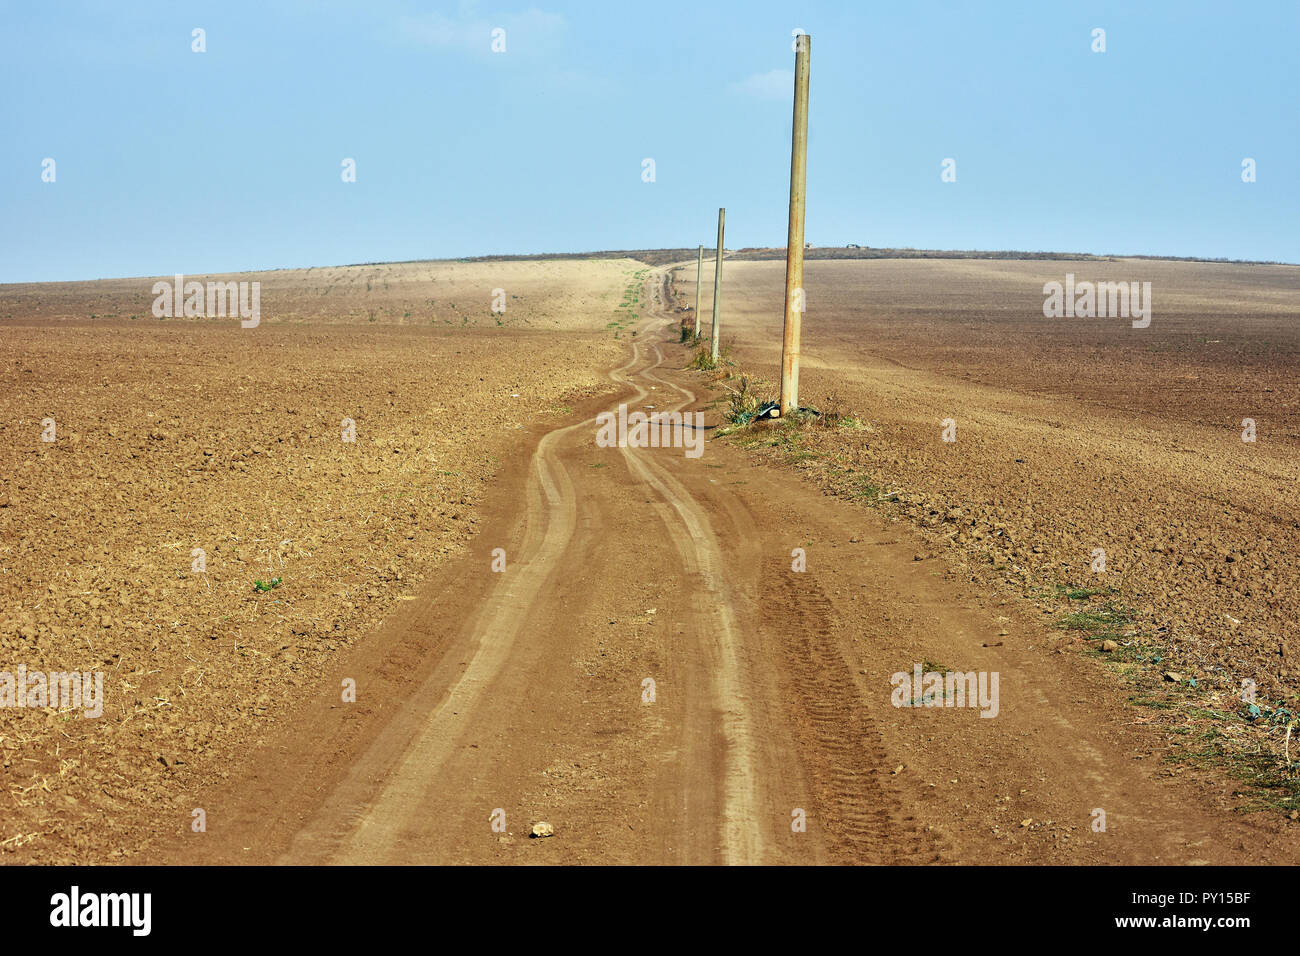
x,y
717,282
794,294
699,275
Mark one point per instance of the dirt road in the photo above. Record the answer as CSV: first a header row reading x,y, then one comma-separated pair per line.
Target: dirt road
x,y
650,676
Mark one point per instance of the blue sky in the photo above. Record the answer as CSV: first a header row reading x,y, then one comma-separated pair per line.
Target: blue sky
x,y
173,161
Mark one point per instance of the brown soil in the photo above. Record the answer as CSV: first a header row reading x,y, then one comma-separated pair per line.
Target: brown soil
x,y
1074,435
522,693
183,433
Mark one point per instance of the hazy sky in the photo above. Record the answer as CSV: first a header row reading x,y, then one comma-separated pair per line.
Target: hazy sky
x,y
167,160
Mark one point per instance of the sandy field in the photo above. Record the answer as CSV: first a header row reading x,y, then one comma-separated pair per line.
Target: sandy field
x,y
180,434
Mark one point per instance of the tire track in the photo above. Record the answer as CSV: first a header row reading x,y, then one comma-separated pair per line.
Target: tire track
x,y
842,750
374,814
742,839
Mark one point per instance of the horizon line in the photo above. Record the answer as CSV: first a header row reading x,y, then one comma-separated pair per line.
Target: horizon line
x,y
754,253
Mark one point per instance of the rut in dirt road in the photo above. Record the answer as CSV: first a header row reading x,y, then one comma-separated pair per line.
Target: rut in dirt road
x,y
381,813
844,764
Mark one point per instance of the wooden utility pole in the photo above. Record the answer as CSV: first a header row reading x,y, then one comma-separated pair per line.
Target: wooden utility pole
x,y
794,294
699,275
717,282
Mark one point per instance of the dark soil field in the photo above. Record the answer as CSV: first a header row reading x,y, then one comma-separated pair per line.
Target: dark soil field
x,y
1071,435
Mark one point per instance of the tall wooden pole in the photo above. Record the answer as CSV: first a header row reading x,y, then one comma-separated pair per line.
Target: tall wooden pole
x,y
717,282
699,275
794,294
